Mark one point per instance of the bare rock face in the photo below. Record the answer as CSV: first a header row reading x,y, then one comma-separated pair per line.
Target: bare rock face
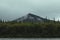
x,y
30,18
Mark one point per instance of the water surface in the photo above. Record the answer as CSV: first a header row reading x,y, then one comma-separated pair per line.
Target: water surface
x,y
29,39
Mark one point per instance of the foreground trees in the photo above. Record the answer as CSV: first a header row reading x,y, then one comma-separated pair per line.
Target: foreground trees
x,y
30,30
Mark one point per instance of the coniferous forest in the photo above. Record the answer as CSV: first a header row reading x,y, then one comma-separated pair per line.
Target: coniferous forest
x,y
30,30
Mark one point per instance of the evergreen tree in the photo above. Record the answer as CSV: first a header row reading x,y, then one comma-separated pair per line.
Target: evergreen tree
x,y
0,20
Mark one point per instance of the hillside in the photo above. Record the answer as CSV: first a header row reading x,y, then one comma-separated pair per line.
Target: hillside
x,y
31,18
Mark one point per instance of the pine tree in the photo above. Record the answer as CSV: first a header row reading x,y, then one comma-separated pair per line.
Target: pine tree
x,y
0,20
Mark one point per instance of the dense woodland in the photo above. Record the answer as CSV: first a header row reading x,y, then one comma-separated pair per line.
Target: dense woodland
x,y
30,30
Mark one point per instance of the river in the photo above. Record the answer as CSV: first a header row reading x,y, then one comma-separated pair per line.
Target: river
x,y
29,39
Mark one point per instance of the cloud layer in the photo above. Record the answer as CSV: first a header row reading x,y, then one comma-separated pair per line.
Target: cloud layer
x,y
12,9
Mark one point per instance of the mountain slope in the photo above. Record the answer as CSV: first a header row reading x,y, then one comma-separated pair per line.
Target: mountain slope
x,y
31,18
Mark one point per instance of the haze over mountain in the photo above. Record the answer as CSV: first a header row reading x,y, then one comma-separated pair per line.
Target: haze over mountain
x,y
12,9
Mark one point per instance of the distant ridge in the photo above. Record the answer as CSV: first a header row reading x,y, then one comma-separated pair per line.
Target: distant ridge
x,y
30,18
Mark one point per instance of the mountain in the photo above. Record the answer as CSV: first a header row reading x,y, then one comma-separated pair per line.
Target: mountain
x,y
30,18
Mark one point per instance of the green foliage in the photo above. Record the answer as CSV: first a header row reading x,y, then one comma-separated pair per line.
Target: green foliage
x,y
46,29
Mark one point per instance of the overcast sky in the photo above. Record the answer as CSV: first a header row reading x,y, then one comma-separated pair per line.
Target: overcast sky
x,y
12,9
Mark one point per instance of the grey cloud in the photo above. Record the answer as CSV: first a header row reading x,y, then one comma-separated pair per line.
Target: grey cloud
x,y
12,9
